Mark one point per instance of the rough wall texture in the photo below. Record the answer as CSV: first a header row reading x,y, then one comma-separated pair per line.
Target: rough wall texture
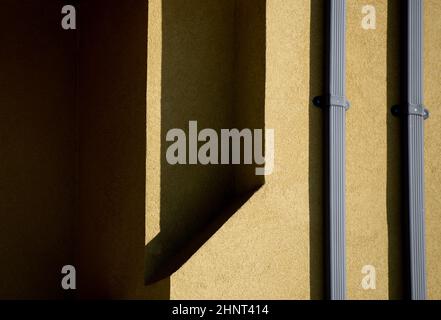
x,y
225,63
271,246
432,147
266,241
367,146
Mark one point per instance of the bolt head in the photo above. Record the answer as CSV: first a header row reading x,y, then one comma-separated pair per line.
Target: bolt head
x,y
317,101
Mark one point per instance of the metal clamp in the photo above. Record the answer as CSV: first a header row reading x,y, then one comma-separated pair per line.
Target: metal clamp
x,y
331,100
411,109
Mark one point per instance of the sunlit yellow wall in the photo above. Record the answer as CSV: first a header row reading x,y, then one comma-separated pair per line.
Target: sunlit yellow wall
x,y
263,250
367,163
432,79
85,180
271,246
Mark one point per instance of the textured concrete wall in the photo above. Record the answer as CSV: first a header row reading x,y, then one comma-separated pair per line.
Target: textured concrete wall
x,y
271,247
262,250
367,150
205,231
196,39
432,79
212,69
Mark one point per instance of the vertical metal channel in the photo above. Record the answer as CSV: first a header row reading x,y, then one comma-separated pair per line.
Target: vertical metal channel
x,y
414,148
335,108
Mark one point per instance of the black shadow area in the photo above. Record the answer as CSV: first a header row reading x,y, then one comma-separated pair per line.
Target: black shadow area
x,y
316,154
110,226
394,183
37,140
213,72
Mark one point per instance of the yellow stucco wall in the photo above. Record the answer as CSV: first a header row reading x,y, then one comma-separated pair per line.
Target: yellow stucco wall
x,y
262,251
432,79
367,162
271,246
106,199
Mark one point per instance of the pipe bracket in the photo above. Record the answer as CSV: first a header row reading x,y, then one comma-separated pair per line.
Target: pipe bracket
x,y
331,100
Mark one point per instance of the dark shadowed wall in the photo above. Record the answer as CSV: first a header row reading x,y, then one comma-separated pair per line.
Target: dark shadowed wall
x,y
110,235
37,139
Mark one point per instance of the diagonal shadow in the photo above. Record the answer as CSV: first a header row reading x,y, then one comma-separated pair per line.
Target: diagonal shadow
x,y
110,224
213,71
